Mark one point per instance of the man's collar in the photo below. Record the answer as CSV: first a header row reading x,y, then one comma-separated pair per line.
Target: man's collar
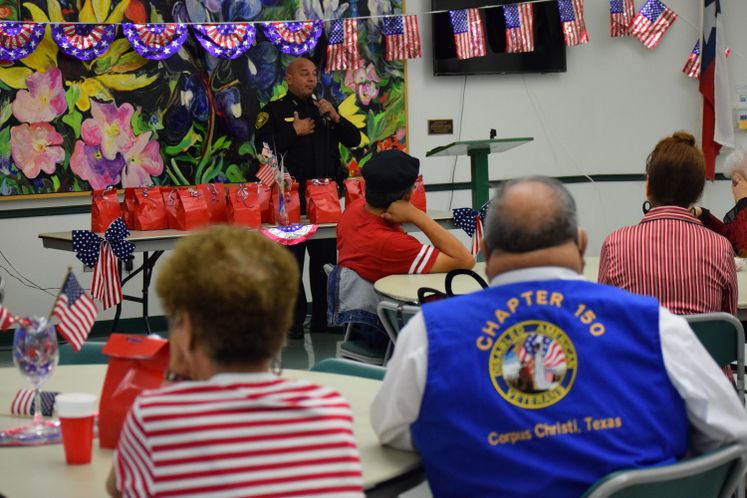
x,y
670,213
538,273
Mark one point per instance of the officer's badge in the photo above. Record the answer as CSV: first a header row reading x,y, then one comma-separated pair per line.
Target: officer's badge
x,y
533,364
262,118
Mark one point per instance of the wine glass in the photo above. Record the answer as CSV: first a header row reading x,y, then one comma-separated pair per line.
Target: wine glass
x,y
35,354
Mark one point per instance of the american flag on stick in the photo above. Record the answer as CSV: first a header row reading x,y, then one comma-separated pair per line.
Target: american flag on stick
x,y
692,66
621,15
651,22
402,38
519,27
6,318
342,50
572,22
75,311
468,33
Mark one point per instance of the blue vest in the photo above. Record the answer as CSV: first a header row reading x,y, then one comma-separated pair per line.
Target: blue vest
x,y
538,389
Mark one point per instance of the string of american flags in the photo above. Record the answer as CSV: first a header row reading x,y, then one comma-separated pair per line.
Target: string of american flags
x,y
401,34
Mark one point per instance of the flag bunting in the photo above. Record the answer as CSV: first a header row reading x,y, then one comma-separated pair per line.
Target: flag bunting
x,y
75,311
651,22
621,16
342,49
402,38
84,41
225,40
469,36
572,22
19,39
293,37
519,27
155,41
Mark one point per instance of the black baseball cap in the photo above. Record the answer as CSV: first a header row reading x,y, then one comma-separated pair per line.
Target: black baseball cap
x,y
391,171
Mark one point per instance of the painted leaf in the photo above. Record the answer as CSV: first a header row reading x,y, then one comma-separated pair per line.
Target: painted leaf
x,y
190,139
72,95
15,77
37,15
55,11
91,87
5,143
350,111
5,113
129,62
233,172
101,9
73,119
126,82
86,13
118,13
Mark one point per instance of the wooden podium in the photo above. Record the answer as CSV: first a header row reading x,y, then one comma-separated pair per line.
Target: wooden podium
x,y
478,151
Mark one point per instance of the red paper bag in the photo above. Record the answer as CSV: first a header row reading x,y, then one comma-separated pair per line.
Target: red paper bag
x,y
322,202
148,209
264,196
292,204
128,208
418,194
135,363
105,208
215,195
186,208
355,188
243,205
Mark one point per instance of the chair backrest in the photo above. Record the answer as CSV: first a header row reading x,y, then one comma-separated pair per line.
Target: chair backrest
x,y
723,337
394,316
713,475
348,367
90,354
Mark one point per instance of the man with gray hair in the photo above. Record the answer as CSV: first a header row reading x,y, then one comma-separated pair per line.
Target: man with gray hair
x,y
544,374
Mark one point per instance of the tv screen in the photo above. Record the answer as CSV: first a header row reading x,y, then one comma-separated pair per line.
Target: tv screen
x,y
549,48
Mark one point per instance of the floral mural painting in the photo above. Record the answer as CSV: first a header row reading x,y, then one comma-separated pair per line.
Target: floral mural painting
x,y
68,125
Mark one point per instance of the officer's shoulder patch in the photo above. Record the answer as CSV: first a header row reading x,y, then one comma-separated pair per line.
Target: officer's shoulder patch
x,y
262,119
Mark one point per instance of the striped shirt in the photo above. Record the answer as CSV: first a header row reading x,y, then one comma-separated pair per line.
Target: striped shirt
x,y
239,435
670,255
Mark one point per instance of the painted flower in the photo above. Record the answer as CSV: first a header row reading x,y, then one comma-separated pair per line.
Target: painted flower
x,y
241,10
109,128
331,86
142,161
321,9
36,148
194,97
5,12
363,81
228,103
88,162
43,101
261,71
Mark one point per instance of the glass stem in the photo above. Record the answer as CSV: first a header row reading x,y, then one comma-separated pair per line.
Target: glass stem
x,y
37,407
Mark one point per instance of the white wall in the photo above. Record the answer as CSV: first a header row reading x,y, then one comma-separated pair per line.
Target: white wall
x,y
602,116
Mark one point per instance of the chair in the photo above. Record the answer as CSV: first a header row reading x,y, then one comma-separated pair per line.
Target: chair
x,y
712,475
723,337
347,367
394,316
90,354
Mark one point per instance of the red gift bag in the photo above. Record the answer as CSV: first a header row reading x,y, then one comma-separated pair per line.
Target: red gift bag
x,y
105,208
292,204
322,202
243,205
264,195
215,195
135,363
128,208
355,188
418,194
186,208
148,209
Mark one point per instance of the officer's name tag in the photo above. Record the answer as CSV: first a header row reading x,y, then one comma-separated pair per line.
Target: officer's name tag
x,y
289,120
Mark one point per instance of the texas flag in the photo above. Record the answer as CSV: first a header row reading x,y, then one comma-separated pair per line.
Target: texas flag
x,y
714,85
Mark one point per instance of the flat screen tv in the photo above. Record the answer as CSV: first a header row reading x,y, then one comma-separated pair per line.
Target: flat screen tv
x,y
549,49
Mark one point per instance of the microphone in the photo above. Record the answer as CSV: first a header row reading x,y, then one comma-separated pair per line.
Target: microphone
x,y
325,117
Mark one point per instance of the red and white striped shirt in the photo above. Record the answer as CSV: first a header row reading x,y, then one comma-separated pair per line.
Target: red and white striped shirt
x,y
239,435
670,255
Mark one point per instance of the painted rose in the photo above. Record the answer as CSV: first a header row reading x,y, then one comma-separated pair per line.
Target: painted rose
x,y
142,161
88,162
43,101
109,128
35,148
363,81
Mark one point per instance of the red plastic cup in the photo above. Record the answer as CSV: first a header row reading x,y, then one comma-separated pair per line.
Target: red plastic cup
x,y
76,411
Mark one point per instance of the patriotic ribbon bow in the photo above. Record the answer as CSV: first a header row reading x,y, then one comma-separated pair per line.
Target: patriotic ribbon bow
x,y
99,254
471,222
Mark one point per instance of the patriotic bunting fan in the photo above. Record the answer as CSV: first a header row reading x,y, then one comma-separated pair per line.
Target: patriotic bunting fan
x,y
84,41
290,235
226,40
293,38
155,41
19,39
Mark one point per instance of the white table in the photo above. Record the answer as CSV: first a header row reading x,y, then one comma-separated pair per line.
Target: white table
x,y
405,287
41,471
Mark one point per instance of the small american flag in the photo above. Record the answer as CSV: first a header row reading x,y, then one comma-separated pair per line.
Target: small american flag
x,y
402,38
76,312
651,22
6,319
572,22
477,237
106,286
692,66
23,402
268,176
342,50
621,15
468,33
519,27
553,355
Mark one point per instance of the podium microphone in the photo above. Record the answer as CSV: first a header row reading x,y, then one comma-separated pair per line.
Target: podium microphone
x,y
493,133
325,117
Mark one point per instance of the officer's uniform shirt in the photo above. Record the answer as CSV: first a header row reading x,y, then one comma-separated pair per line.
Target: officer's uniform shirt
x,y
305,157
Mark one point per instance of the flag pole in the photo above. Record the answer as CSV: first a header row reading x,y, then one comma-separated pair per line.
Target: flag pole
x,y
67,274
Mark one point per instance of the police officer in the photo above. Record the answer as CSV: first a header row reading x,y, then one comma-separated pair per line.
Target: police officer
x,y
306,133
